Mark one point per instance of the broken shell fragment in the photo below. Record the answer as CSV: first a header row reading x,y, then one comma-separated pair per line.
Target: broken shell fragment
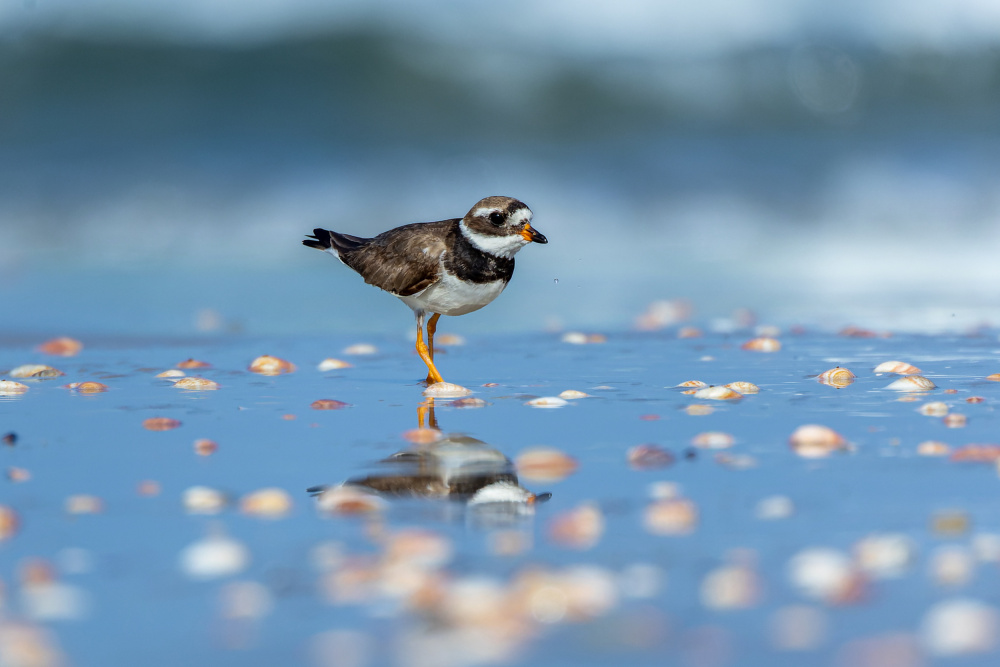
x,y
196,384
545,464
912,383
84,504
203,500
955,420
699,410
933,409
193,363
360,349
268,365
697,384
446,390
713,440
547,402
573,393
762,344
976,454
328,404
213,557
205,447
744,387
332,364
160,424
718,394
995,377
649,457
35,371
272,503
12,388
897,367
62,347
171,373
933,448
89,387
975,399
15,474
470,402
671,516
836,377
9,523
814,441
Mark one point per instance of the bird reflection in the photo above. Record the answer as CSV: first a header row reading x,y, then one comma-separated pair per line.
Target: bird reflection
x,y
450,466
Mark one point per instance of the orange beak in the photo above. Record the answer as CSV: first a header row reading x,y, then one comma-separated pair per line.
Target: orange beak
x,y
531,234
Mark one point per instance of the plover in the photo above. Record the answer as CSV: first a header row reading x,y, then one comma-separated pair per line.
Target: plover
x,y
451,267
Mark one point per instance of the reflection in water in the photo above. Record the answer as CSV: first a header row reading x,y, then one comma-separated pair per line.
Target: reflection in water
x,y
447,466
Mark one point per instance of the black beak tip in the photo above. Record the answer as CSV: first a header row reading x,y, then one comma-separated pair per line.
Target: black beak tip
x,y
539,238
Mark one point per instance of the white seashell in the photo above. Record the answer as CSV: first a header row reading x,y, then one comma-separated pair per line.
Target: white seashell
x,y
697,384
446,390
744,387
897,367
718,394
935,409
196,384
213,557
671,516
952,565
346,500
360,349
762,344
822,574
268,365
332,364
35,371
885,556
573,393
774,508
713,440
813,441
574,338
735,586
270,503
547,402
11,388
912,383
960,626
203,500
172,373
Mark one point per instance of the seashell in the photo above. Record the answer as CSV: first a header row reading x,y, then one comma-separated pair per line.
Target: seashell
x,y
836,377
203,500
148,487
12,388
933,448
773,508
934,409
762,344
15,474
885,556
718,394
649,418
912,383
470,402
332,364
572,393
449,340
713,440
814,441
160,424
689,332
734,586
196,384
544,464
84,504
547,402
897,367
171,373
446,390
825,574
697,384
9,523
579,528
952,565
960,627
857,332
744,387
574,338
649,457
328,404
976,454
951,391
35,371
193,363
205,447
955,420
699,410
62,347
346,500
89,387
491,384
360,349
995,377
950,523
268,365
213,557
422,436
671,516
270,503
975,399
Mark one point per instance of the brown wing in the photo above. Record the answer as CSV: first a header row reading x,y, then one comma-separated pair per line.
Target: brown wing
x,y
404,260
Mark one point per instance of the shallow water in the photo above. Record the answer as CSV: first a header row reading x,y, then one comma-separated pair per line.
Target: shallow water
x,y
134,602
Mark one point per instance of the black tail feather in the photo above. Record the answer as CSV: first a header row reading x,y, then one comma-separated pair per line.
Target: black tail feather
x,y
324,239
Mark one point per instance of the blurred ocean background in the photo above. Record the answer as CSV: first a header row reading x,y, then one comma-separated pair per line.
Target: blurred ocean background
x,y
818,163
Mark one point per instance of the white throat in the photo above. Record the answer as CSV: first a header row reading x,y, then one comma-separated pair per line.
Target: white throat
x,y
498,246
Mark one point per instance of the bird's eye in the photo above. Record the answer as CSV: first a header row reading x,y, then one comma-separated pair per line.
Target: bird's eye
x,y
496,218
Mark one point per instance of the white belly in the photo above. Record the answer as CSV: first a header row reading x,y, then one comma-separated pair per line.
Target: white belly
x,y
450,296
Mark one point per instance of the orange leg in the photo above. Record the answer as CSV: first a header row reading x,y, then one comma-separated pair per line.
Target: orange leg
x,y
425,415
432,372
431,329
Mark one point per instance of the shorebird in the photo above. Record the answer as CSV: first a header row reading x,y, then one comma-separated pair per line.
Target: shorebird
x,y
451,267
